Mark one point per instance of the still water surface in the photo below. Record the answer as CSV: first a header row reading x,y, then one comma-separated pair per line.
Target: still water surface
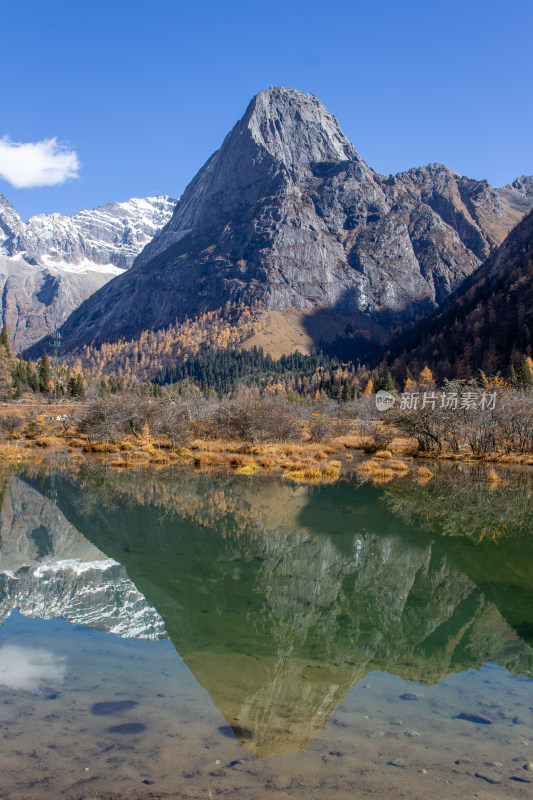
x,y
180,634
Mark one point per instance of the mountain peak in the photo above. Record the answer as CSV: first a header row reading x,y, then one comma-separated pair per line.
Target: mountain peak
x,y
296,129
283,139
11,226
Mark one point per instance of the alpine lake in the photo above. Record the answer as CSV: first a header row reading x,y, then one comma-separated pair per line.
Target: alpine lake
x,y
173,633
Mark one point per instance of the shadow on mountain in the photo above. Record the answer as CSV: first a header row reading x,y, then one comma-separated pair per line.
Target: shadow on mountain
x,y
349,332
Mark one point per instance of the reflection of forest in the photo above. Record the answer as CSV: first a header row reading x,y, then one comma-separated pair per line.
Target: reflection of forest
x,y
281,598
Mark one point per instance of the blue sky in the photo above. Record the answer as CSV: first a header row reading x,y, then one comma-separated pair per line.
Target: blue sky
x,y
142,93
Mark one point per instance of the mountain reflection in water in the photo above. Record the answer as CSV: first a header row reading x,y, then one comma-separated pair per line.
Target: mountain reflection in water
x,y
279,598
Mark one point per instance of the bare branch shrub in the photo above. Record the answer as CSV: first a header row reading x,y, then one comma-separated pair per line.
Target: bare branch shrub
x,y
255,418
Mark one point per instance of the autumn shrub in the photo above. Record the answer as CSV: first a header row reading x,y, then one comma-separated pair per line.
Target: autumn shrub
x,y
379,438
11,424
255,418
172,418
320,427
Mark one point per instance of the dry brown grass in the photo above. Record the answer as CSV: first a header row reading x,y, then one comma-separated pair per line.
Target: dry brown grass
x,y
397,466
76,442
185,453
139,455
382,476
267,462
368,466
312,473
383,454
121,463
331,470
214,445
295,474
11,453
305,450
159,459
382,472
403,444
240,460
100,447
290,464
208,459
248,469
48,441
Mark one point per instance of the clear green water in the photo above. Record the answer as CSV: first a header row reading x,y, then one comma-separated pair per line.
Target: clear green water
x,y
189,634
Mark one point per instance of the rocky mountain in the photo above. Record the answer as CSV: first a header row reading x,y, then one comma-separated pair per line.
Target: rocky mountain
x,y
286,215
488,321
52,263
49,570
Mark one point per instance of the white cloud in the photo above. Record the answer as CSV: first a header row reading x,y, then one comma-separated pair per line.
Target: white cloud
x,y
28,164
30,668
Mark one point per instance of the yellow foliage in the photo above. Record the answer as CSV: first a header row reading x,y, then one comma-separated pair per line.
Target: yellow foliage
x,y
369,388
426,377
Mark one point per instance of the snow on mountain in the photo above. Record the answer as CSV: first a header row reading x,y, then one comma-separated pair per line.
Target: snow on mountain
x,y
52,263
112,234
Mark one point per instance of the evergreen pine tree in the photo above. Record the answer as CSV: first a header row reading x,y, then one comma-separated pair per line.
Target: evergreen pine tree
x,y
5,377
4,339
512,376
388,383
80,387
44,372
32,379
526,375
346,394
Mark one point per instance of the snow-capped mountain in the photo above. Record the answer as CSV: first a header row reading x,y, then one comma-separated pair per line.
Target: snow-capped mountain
x,y
104,237
52,263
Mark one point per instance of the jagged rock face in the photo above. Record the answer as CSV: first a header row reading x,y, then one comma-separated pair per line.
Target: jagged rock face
x,y
287,214
51,264
49,570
